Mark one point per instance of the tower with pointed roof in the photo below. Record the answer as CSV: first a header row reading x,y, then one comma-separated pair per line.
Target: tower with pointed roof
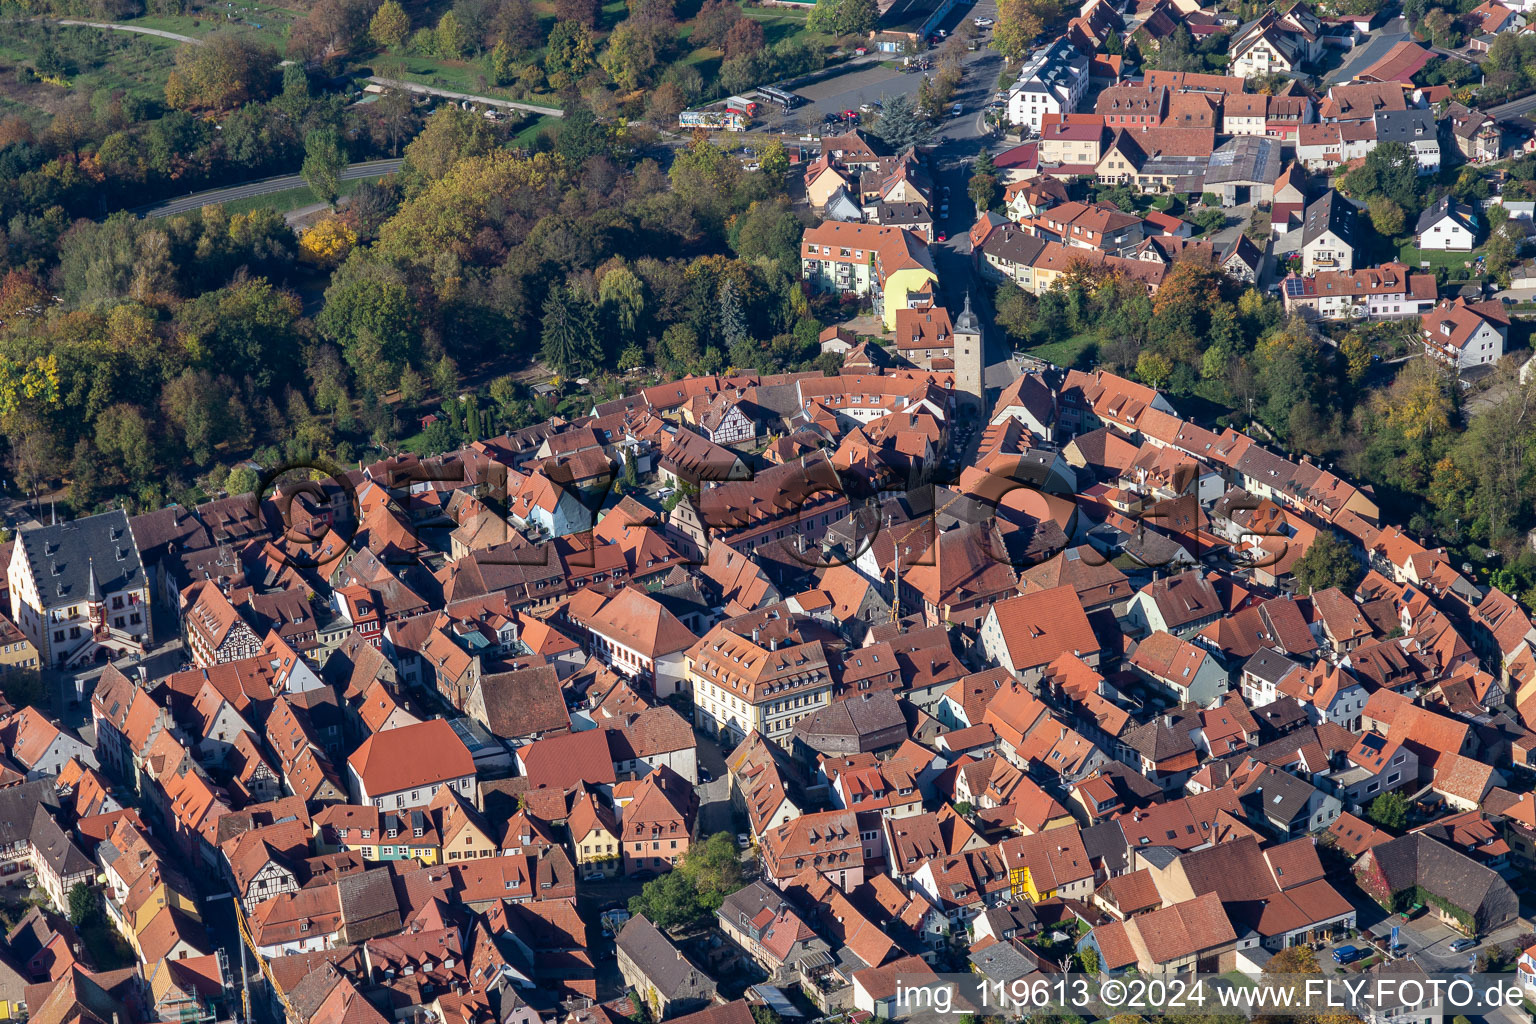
x,y
970,361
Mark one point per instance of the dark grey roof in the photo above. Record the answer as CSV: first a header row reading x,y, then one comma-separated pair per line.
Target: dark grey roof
x,y
1003,961
16,808
1106,842
662,963
1417,859
864,715
1279,796
902,213
1163,737
1328,212
1446,206
1013,245
1243,249
748,902
1269,665
54,847
1281,714
1405,126
62,557
369,906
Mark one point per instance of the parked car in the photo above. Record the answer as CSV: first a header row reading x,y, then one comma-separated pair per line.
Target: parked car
x,y
1463,943
957,109
942,236
1347,955
743,840
982,22
704,775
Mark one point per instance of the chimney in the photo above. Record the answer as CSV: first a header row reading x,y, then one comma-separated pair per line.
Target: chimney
x,y
756,633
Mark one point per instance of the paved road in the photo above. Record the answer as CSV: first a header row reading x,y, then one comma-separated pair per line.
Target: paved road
x,y
178,37
266,186
867,81
491,101
1514,108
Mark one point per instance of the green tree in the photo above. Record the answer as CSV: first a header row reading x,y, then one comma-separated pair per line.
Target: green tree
x,y
569,54
774,161
714,868
669,901
1329,562
242,480
390,25
86,487
900,125
450,39
621,294
1088,960
1503,250
445,377
1386,216
732,319
1388,811
569,336
503,63
844,17
82,904
1357,358
412,386
630,56
983,190
1154,368
324,159
374,321
1389,170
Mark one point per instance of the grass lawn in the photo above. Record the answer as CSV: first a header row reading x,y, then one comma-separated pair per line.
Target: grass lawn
x,y
786,23
99,60
1068,351
526,136
265,22
1410,254
458,76
291,199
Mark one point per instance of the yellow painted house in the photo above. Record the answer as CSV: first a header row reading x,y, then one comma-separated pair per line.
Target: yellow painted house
x,y
465,834
890,265
160,896
594,838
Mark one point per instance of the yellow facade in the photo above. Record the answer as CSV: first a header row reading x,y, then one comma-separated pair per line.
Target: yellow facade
x,y
902,284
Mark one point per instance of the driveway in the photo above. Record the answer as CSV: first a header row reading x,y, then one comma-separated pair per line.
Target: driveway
x,y
1370,51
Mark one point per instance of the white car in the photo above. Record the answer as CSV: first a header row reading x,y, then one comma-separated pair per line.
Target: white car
x,y
956,110
982,22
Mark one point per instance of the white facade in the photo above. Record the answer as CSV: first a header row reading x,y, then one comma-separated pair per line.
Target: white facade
x,y
1448,234
1052,81
419,797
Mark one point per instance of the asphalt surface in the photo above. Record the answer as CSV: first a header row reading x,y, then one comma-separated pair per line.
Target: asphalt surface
x,y
266,186
1514,108
113,26
868,81
490,101
1371,51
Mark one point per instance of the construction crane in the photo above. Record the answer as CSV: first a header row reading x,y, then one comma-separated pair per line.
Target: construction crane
x,y
261,962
